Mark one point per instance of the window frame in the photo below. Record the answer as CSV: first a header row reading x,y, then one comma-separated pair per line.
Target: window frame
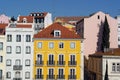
x,y
9,38
39,45
1,59
18,49
18,38
72,45
28,49
51,45
28,75
61,45
8,75
1,44
28,38
8,63
27,62
9,49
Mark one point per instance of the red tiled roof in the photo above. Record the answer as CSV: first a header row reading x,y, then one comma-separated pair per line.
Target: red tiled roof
x,y
65,32
2,29
23,26
112,52
3,25
29,19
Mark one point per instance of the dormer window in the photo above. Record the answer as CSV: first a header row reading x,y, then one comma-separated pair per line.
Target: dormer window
x,y
57,33
24,20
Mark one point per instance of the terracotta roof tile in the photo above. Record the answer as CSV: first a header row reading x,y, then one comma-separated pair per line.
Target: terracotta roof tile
x,y
112,52
2,29
23,26
30,19
65,32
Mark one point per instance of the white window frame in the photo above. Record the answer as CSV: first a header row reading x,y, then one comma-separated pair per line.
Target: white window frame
x,y
9,49
18,38
72,45
27,75
1,45
27,62
9,38
28,49
51,45
39,44
8,62
57,33
61,45
18,49
8,75
28,38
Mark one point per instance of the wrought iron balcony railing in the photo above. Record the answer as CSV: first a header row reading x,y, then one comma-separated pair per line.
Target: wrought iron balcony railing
x,y
17,67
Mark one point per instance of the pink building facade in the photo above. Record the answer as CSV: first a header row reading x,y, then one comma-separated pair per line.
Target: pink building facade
x,y
4,19
90,28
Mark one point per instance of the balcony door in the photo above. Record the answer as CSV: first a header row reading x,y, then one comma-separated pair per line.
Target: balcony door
x,y
51,71
39,71
61,59
39,57
72,72
51,59
17,74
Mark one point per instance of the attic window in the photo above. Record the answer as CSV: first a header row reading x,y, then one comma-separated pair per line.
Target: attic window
x,y
24,20
57,33
98,17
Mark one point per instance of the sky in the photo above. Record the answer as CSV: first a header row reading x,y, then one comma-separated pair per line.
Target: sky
x,y
59,7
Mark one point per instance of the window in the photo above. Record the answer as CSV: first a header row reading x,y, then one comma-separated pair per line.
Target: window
x,y
27,62
72,60
72,45
0,74
61,59
113,67
118,38
39,57
27,75
51,45
17,62
1,45
51,71
51,59
28,49
28,38
9,38
9,49
18,49
24,20
61,45
39,44
72,71
118,67
39,71
1,58
8,62
18,38
8,74
57,33
98,17
60,72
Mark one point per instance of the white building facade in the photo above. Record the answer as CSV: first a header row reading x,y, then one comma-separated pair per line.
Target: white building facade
x,y
19,52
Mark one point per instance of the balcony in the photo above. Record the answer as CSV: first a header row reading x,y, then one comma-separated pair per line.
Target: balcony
x,y
60,63
17,78
72,77
37,77
51,63
60,76
50,76
17,67
72,63
39,63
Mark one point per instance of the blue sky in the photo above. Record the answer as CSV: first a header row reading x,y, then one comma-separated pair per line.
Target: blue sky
x,y
59,7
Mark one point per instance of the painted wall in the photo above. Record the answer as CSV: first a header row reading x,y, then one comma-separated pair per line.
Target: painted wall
x,y
91,27
22,56
4,19
66,51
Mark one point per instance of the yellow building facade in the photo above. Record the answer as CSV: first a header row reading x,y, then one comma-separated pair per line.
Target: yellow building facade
x,y
58,55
